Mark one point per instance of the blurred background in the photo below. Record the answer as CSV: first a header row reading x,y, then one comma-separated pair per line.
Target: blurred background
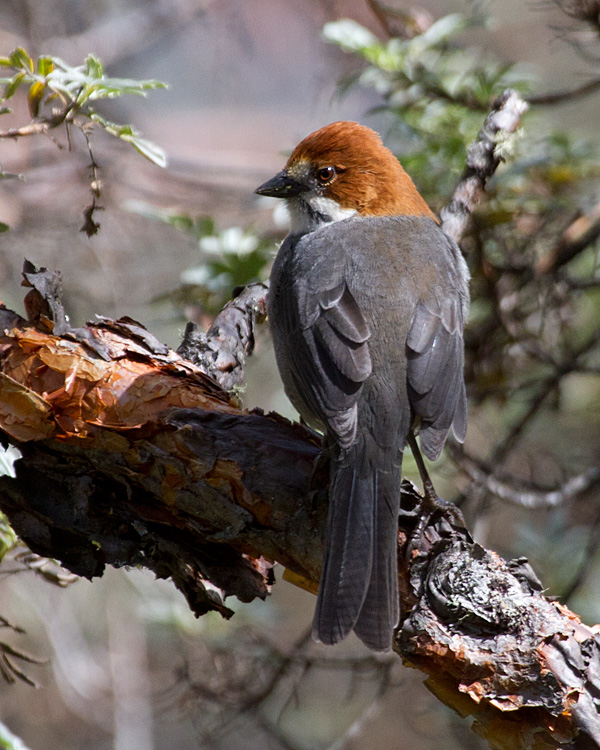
x,y
128,666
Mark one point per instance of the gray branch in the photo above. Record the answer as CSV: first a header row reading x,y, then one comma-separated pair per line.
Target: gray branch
x,y
508,489
483,158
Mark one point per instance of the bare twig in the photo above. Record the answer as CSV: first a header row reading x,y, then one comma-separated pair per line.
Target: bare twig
x,y
546,387
90,226
505,446
9,670
563,97
39,127
579,235
482,161
242,676
523,494
45,567
4,623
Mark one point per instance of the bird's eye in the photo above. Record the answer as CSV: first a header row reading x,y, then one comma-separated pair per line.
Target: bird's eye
x,y
325,175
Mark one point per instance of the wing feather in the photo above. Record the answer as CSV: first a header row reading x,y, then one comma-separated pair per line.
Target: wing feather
x,y
435,372
331,358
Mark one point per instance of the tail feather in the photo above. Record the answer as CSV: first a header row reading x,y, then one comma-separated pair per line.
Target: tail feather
x,y
348,555
359,582
380,611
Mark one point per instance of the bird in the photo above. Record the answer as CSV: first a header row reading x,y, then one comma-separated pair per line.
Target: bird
x,y
367,303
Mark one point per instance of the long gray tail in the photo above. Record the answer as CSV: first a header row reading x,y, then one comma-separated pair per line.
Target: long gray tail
x,y
359,582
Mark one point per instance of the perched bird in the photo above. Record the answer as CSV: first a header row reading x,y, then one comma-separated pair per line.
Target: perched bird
x,y
366,306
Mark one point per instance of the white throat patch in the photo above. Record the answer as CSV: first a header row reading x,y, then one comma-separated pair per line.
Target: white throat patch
x,y
310,211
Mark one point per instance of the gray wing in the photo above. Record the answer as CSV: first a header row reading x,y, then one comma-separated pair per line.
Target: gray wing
x,y
436,387
331,359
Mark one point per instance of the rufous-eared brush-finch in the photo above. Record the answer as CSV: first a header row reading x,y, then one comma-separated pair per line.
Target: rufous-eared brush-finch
x,y
366,306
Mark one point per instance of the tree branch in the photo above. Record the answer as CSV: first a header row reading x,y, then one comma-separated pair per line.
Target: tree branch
x,y
483,158
568,95
133,456
39,127
222,351
524,494
579,235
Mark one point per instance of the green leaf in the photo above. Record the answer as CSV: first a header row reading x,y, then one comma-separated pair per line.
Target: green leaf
x,y
146,148
13,85
111,88
124,131
102,121
45,66
183,223
3,227
5,110
443,29
5,62
131,86
94,67
20,59
34,97
349,35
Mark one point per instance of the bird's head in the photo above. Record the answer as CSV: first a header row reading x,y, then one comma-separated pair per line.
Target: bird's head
x,y
341,170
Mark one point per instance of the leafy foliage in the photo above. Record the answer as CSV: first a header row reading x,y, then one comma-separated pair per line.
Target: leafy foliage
x,y
61,95
72,92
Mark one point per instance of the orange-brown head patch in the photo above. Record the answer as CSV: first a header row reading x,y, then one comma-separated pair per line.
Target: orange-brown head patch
x,y
367,177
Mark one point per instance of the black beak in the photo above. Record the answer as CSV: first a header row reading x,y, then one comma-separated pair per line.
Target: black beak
x,y
280,186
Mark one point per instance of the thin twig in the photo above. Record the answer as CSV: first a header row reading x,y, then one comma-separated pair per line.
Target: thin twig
x,y
579,235
524,496
511,439
482,161
38,127
90,226
563,97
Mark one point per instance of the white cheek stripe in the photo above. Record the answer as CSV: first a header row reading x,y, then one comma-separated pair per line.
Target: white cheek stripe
x,y
304,221
330,208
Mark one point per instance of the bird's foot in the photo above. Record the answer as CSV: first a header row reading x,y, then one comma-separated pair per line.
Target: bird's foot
x,y
437,516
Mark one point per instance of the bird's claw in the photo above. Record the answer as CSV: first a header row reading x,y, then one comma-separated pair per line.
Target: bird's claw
x,y
433,510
